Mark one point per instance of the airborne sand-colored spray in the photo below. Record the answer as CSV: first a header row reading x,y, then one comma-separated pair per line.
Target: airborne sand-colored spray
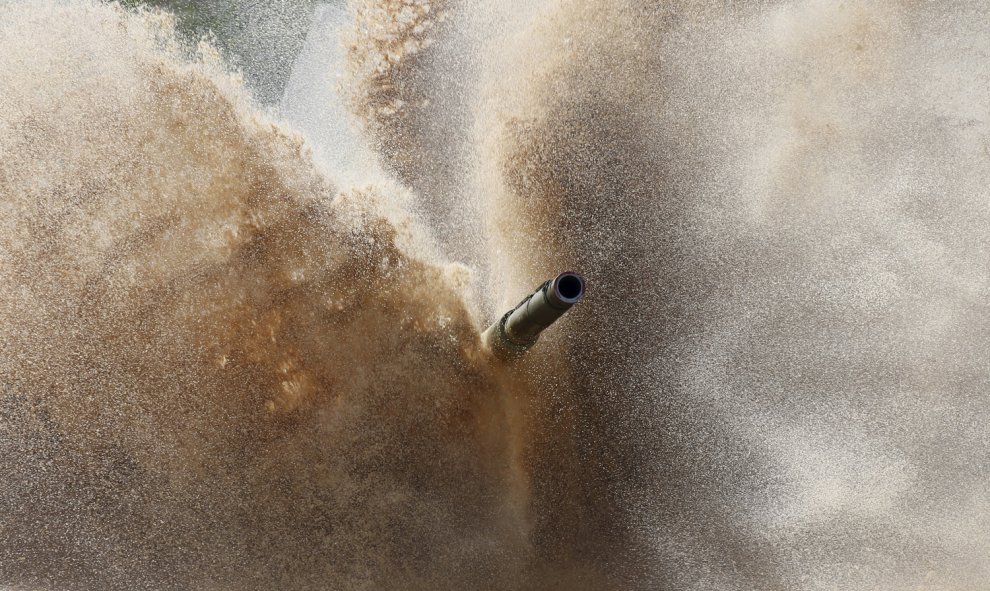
x,y
220,371
782,362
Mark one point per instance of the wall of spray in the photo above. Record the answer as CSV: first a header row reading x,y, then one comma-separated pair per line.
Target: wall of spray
x,y
220,370
235,354
777,371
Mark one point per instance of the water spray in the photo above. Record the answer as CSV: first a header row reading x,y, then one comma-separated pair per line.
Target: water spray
x,y
519,328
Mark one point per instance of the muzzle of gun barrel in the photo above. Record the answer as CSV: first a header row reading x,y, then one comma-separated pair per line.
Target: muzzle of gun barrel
x,y
519,328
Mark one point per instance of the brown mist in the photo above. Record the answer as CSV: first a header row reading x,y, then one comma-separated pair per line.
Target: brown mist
x,y
220,372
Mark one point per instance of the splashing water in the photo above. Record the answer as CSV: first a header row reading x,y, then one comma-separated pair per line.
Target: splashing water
x,y
228,363
218,371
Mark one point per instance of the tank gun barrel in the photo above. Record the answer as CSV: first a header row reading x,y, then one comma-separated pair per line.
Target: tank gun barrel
x,y
519,328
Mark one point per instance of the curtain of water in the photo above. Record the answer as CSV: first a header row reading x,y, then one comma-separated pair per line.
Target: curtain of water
x,y
238,353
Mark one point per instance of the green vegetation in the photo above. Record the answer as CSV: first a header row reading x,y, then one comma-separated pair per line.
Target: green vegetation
x,y
259,37
193,18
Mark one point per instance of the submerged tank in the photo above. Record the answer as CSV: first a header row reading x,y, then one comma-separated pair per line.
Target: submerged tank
x,y
519,328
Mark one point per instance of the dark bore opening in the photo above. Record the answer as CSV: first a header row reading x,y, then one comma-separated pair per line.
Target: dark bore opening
x,y
570,288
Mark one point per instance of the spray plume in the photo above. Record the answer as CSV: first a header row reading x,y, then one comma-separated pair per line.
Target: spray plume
x,y
220,371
